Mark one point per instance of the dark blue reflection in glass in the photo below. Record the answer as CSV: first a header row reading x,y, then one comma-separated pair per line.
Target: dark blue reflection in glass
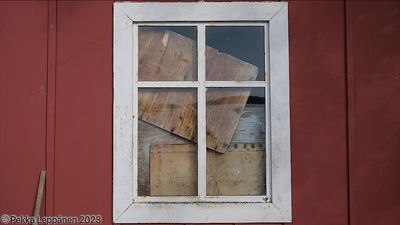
x,y
245,43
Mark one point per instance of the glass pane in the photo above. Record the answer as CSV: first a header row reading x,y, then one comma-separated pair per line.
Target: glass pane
x,y
167,53
167,135
235,141
235,53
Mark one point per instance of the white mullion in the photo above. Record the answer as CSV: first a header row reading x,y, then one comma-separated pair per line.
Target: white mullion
x,y
158,199
268,146
201,111
167,24
169,84
223,84
266,52
238,199
135,109
236,24
172,84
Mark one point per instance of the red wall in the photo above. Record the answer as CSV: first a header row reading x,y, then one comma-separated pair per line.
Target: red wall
x,y
56,109
374,111
318,112
23,68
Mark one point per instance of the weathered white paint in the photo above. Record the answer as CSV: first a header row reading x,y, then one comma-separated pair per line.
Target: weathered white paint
x,y
207,23
236,83
201,112
280,112
210,199
200,11
203,213
122,112
267,91
135,114
195,84
167,84
276,205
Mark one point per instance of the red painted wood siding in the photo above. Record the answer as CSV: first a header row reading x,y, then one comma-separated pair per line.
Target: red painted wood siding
x,y
56,109
318,112
83,142
23,67
374,106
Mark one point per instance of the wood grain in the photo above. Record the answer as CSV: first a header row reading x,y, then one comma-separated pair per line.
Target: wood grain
x,y
148,135
173,169
224,67
251,125
166,56
39,195
174,110
224,108
240,171
170,56
250,129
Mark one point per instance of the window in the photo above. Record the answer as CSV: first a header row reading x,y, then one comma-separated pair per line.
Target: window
x,y
201,113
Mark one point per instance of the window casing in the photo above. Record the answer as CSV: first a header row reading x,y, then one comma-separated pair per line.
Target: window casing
x,y
275,204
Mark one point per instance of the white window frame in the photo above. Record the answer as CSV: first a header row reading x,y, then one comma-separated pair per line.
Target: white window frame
x,y
275,206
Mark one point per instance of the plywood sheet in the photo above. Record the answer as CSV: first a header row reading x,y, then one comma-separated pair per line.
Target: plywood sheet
x,y
148,135
175,112
224,109
166,56
240,171
173,170
250,129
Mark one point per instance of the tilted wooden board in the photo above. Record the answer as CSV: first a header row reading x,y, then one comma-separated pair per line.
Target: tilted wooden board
x,y
166,56
170,56
174,110
240,171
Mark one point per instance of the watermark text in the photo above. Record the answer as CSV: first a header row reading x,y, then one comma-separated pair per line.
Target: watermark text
x,y
25,219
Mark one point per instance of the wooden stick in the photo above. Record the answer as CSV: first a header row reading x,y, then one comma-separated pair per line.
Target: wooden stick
x,y
39,195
